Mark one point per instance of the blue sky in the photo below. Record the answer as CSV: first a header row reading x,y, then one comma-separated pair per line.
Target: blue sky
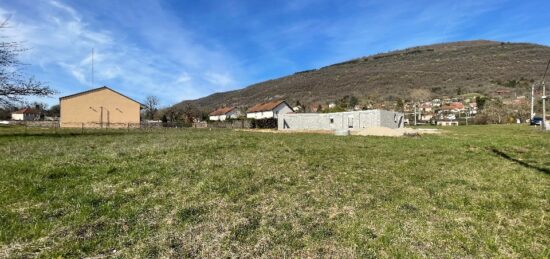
x,y
179,50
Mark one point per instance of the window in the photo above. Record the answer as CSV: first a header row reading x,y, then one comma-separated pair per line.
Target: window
x,y
331,120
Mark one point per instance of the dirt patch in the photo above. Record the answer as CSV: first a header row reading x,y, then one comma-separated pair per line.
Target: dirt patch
x,y
387,132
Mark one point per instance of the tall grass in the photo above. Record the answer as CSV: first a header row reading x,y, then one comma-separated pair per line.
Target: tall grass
x,y
473,191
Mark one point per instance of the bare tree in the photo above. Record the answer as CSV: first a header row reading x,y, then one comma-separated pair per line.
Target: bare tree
x,y
420,95
14,86
151,106
494,112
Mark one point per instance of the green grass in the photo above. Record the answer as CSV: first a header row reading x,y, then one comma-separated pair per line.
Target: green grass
x,y
474,191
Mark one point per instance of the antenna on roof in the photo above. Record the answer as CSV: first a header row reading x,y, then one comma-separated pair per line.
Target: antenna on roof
x,y
92,67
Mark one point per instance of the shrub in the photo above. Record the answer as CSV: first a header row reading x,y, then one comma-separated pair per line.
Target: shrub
x,y
270,123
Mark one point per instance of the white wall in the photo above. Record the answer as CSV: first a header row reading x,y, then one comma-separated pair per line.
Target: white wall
x,y
234,114
251,115
279,110
23,117
260,115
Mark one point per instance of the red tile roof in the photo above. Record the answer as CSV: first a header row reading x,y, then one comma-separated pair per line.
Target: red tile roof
x,y
268,106
26,111
454,106
221,111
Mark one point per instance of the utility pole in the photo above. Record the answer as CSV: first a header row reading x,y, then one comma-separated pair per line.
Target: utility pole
x,y
544,106
467,115
544,98
415,114
532,101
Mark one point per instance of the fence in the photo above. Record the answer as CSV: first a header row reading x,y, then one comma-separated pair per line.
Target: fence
x,y
36,124
228,124
95,125
270,123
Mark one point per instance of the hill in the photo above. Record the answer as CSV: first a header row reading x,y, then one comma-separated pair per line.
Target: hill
x,y
443,69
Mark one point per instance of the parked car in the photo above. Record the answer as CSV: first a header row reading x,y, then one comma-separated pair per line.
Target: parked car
x,y
536,121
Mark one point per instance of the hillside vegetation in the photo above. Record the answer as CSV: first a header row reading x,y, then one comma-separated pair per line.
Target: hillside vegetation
x,y
443,69
475,191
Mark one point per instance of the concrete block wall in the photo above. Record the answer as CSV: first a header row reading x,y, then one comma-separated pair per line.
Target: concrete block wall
x,y
340,120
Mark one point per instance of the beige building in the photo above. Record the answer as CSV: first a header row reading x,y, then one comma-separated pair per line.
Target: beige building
x,y
99,108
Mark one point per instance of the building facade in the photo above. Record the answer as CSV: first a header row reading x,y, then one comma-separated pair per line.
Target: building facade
x,y
222,114
341,120
99,108
447,123
26,114
268,110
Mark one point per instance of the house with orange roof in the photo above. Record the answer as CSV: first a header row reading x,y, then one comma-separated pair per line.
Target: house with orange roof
x,y
453,107
224,113
267,110
26,114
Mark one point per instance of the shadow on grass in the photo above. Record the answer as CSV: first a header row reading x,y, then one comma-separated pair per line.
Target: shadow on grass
x,y
524,164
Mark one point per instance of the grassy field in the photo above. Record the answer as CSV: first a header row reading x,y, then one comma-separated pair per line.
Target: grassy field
x,y
474,191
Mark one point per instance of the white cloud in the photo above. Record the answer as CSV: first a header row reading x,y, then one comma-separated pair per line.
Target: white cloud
x,y
149,64
219,79
76,71
183,78
66,8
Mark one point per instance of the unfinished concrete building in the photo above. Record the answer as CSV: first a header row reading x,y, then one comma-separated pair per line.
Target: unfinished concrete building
x,y
341,120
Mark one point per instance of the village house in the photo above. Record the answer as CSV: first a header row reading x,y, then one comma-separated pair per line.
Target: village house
x,y
426,116
358,107
268,110
314,107
26,114
222,114
426,107
447,123
454,107
99,108
473,108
